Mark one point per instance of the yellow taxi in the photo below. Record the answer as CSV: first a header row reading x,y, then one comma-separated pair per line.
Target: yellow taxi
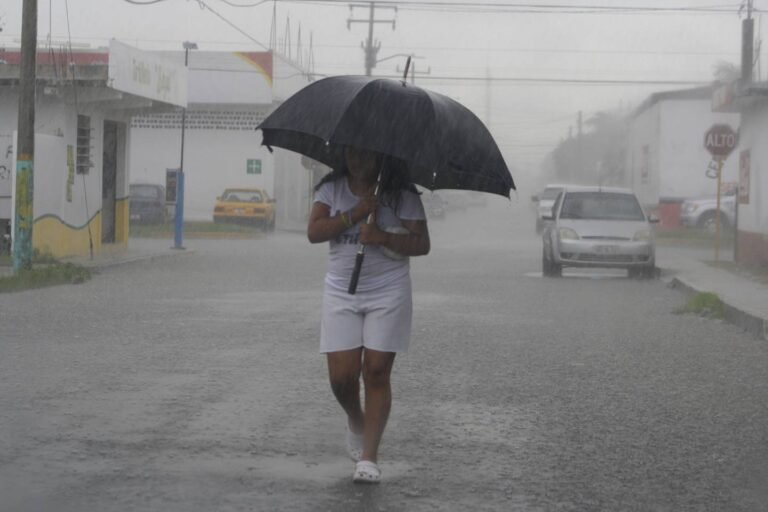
x,y
245,206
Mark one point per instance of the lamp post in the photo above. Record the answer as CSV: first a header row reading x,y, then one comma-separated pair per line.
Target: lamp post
x,y
178,232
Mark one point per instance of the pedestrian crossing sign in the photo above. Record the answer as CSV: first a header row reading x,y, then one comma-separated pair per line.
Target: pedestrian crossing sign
x,y
253,166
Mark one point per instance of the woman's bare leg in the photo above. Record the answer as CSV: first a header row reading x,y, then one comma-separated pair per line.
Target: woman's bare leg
x,y
377,367
344,369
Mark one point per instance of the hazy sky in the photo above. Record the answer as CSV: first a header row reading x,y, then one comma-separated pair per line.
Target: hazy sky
x,y
454,40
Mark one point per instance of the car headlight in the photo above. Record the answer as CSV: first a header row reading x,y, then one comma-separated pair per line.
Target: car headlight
x,y
567,234
643,235
690,208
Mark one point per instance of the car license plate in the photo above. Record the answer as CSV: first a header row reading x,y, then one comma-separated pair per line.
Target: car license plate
x,y
606,249
239,210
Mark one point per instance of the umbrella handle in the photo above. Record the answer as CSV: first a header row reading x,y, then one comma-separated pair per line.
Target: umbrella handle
x,y
356,273
361,250
358,264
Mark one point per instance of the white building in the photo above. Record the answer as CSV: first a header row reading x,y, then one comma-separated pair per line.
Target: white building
x,y
751,101
82,116
666,161
229,94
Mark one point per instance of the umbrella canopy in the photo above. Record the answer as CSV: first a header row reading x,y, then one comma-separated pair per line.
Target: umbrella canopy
x,y
443,143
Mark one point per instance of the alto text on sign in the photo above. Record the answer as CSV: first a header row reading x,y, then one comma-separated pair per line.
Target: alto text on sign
x,y
720,140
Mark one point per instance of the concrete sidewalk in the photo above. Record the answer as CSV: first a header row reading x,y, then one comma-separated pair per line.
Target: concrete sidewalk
x,y
746,300
139,249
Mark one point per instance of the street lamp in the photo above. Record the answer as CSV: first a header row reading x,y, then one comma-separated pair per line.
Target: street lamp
x,y
178,232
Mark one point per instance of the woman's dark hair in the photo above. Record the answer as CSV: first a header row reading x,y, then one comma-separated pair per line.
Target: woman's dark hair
x,y
394,179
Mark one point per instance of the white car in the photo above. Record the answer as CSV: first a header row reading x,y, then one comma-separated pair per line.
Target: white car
x,y
544,202
702,212
599,227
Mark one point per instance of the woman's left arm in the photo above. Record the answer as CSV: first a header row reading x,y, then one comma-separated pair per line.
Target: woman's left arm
x,y
415,243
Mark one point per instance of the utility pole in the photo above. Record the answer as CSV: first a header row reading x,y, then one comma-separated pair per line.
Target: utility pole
x,y
25,148
178,231
413,72
370,48
747,45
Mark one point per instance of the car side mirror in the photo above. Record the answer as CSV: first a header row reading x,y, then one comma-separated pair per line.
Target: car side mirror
x,y
653,219
534,198
548,217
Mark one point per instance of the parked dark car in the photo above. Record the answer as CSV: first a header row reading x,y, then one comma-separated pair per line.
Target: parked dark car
x,y
147,203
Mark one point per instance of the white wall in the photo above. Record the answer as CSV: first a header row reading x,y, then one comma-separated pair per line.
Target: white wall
x,y
293,190
683,160
642,163
288,79
216,149
754,216
55,128
215,156
676,161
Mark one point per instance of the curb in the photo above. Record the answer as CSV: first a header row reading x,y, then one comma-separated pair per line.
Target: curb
x,y
94,265
753,324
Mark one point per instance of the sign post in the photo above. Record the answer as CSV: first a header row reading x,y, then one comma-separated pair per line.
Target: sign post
x,y
720,140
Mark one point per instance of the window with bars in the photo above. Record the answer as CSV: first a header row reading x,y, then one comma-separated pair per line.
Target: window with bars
x,y
83,163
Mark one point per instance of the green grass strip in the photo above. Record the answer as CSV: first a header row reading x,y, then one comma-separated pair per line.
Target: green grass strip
x,y
704,304
44,276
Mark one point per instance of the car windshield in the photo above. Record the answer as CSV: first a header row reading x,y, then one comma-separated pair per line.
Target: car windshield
x,y
146,191
242,196
601,206
550,194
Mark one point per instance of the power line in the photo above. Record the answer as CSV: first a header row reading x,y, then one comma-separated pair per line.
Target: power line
x,y
518,7
509,7
231,24
542,80
458,49
203,5
233,4
545,50
77,117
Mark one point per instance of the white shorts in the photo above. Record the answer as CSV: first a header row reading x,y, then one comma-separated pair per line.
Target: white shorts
x,y
378,319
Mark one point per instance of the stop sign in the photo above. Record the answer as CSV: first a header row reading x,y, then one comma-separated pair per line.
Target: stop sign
x,y
720,140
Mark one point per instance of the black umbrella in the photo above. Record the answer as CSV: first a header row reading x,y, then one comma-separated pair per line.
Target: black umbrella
x,y
444,144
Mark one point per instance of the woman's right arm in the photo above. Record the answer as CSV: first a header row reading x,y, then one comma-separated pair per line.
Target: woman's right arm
x,y
322,227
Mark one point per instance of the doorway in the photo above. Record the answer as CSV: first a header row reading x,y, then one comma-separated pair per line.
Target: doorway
x,y
109,182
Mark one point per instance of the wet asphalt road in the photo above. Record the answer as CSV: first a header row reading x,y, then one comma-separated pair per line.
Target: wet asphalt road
x,y
193,383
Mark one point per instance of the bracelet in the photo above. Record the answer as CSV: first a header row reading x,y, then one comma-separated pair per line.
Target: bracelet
x,y
346,222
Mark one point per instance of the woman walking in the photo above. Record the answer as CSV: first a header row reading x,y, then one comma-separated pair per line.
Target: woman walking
x,y
362,333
